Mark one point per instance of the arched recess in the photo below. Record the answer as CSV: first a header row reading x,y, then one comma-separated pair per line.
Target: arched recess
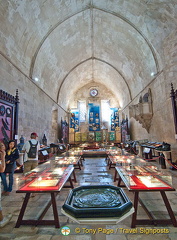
x,y
111,78
97,59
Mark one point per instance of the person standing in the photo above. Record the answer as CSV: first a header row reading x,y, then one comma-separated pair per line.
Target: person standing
x,y
31,149
6,219
12,155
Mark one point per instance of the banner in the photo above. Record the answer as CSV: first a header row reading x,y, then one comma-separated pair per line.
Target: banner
x,y
94,117
114,118
74,120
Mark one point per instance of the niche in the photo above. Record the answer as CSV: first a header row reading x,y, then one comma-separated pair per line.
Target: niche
x,y
143,112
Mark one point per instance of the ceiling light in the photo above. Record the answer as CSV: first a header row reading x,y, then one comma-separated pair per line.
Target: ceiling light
x,y
154,74
36,79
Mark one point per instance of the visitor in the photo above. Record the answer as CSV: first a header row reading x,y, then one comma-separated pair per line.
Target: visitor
x,y
12,154
30,150
6,219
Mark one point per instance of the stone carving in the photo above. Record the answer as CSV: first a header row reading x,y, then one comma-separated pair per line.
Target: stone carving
x,y
143,111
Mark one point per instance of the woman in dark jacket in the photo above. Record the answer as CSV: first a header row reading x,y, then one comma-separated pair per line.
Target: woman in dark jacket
x,y
12,155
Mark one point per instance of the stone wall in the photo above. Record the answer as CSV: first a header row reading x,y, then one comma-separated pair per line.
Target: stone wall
x,y
84,94
69,44
162,123
36,108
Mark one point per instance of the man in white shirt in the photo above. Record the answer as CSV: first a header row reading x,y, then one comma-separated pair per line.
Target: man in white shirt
x,y
30,162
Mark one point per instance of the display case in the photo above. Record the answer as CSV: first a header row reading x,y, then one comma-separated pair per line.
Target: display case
x,y
120,157
113,150
62,161
151,145
99,201
75,151
45,178
141,176
137,174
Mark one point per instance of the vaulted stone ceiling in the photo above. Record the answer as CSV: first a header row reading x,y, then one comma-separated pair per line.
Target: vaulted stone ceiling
x,y
68,44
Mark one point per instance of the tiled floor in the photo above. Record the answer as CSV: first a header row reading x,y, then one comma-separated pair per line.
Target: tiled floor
x,y
94,171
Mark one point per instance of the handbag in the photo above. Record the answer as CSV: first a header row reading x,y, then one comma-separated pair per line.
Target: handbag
x,y
9,168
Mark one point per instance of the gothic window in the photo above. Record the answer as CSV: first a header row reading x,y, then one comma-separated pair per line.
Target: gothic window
x,y
105,110
82,111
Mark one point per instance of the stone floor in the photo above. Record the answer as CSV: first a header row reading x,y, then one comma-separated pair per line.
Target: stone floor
x,y
94,171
